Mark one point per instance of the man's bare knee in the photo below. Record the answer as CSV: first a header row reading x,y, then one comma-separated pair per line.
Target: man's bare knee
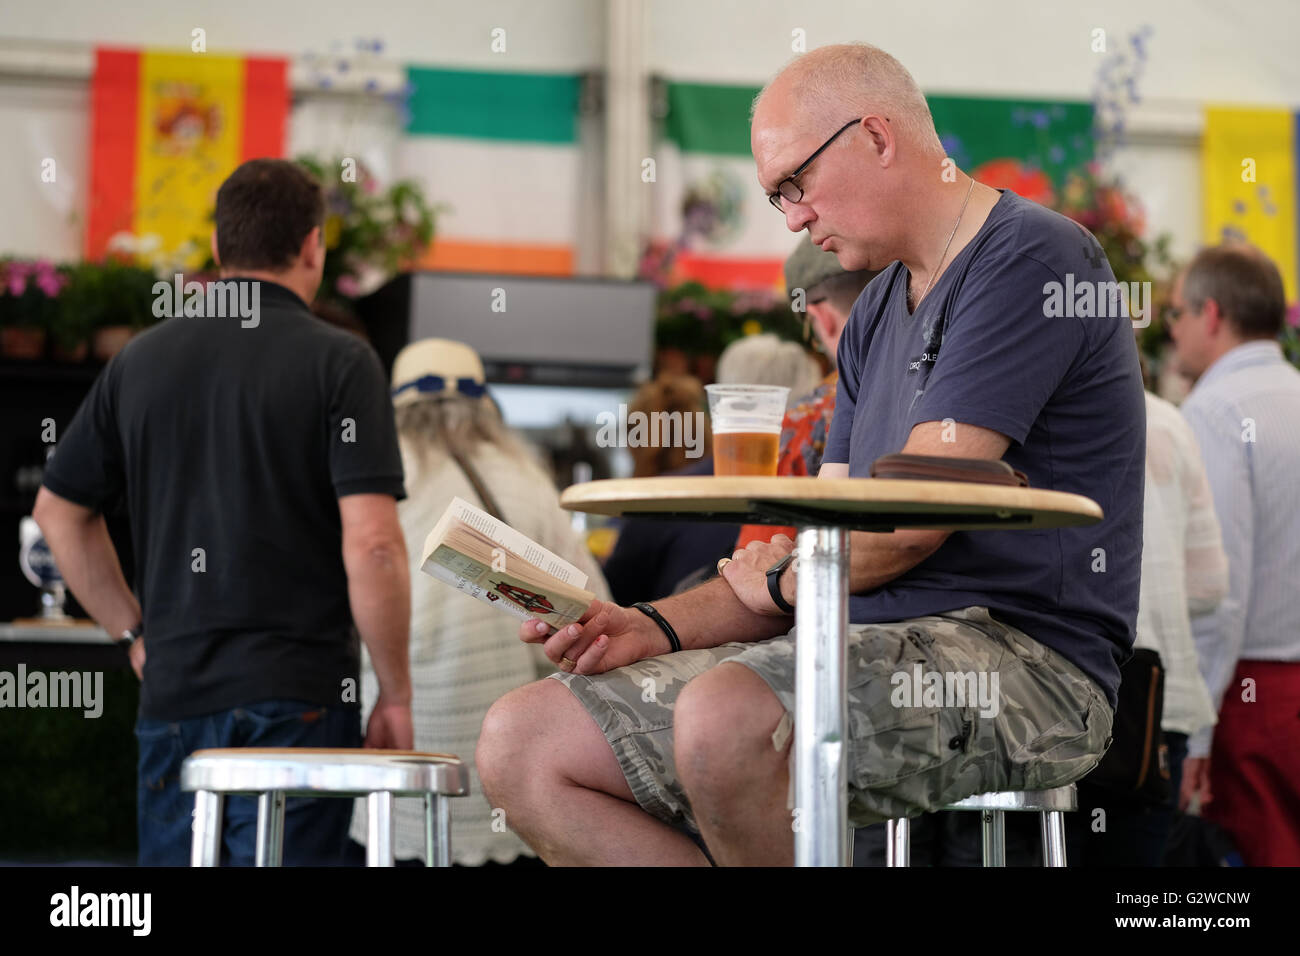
x,y
541,735
723,725
507,736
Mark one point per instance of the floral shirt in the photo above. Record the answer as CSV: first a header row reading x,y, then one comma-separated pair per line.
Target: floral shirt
x,y
803,442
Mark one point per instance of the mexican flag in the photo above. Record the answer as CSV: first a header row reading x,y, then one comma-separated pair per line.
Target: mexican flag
x,y
717,227
166,130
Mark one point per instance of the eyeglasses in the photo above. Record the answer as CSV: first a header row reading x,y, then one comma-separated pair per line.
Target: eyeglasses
x,y
788,188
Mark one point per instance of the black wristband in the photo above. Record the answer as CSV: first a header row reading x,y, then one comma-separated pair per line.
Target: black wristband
x,y
649,611
774,584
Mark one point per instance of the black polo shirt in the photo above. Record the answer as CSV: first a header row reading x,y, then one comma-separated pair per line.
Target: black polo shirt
x,y
232,442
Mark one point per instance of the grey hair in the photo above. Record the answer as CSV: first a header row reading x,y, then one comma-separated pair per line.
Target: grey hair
x,y
436,428
838,82
768,360
1244,282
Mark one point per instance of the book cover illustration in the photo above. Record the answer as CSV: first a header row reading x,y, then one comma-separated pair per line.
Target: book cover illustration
x,y
490,561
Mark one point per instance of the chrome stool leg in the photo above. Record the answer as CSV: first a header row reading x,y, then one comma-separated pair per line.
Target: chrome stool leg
x,y
205,849
431,842
270,828
994,825
898,842
379,834
444,830
1053,824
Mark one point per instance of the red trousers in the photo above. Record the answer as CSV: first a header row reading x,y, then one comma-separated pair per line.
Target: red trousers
x,y
1255,764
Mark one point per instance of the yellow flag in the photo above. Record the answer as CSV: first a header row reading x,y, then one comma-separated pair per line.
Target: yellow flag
x,y
1248,168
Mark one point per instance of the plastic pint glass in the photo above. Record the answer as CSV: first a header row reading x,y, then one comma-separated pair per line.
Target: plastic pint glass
x,y
746,421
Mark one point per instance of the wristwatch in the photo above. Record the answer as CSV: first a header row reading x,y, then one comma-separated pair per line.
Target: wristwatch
x,y
130,636
774,583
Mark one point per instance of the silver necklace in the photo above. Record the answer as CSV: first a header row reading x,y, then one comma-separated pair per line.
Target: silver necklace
x,y
969,189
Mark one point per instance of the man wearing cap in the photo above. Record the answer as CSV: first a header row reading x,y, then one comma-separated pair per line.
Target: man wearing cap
x,y
675,721
828,294
259,464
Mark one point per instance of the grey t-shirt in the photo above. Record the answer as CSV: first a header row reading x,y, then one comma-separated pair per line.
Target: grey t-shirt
x,y
989,346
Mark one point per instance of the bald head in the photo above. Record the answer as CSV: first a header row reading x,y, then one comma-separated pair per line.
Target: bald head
x,y
868,195
826,87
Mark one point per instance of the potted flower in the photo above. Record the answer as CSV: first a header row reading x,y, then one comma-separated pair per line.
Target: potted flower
x,y
107,302
694,323
371,233
29,292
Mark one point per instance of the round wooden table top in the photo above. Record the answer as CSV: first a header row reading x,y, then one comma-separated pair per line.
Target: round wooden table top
x,y
865,503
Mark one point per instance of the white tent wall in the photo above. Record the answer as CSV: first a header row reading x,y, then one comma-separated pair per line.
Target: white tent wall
x,y
1200,52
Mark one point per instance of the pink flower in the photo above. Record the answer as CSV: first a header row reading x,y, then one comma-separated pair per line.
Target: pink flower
x,y
1293,315
348,286
49,283
17,281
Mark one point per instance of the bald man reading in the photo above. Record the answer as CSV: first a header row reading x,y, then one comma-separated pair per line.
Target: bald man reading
x,y
636,755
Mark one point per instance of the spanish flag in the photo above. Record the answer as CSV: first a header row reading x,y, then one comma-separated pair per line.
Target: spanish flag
x,y
166,130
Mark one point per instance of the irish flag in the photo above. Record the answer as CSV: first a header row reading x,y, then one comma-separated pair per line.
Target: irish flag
x,y
166,129
498,152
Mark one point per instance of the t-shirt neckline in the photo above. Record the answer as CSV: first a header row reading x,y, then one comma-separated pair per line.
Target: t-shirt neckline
x,y
988,221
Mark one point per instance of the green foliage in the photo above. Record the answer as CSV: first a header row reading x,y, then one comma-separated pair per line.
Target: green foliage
x,y
371,233
101,294
29,292
703,321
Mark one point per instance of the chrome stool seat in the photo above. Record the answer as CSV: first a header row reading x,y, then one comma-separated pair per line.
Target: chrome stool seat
x,y
272,774
1052,804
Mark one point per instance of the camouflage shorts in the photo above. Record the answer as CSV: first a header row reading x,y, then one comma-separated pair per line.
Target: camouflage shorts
x,y
1008,714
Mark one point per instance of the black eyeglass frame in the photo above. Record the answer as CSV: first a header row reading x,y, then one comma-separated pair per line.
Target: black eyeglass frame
x,y
775,197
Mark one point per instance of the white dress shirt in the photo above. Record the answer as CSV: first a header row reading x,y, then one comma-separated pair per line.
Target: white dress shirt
x,y
1245,411
1184,568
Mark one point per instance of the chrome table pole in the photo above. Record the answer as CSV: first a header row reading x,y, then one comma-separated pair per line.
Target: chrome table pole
x,y
821,833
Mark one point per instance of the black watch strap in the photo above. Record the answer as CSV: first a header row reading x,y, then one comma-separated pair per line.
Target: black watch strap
x,y
649,611
774,583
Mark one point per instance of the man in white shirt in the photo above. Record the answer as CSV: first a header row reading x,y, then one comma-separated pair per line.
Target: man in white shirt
x,y
1229,306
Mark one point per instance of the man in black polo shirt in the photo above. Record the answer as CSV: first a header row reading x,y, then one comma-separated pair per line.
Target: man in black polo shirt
x,y
256,451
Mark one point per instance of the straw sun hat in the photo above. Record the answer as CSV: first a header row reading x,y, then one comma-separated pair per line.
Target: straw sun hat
x,y
436,368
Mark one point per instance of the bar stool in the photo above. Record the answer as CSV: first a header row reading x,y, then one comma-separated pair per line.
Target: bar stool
x,y
1052,804
272,774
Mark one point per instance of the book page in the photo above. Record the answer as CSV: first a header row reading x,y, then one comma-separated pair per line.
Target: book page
x,y
510,539
520,598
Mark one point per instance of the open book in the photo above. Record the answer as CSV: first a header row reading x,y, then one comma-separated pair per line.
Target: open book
x,y
487,559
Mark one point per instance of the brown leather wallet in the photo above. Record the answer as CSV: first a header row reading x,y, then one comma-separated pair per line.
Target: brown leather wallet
x,y
942,468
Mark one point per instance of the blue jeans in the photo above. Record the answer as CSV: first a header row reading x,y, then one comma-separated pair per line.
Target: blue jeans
x,y
315,829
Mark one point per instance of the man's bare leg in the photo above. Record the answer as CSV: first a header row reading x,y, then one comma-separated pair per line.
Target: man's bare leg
x,y
736,780
543,760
